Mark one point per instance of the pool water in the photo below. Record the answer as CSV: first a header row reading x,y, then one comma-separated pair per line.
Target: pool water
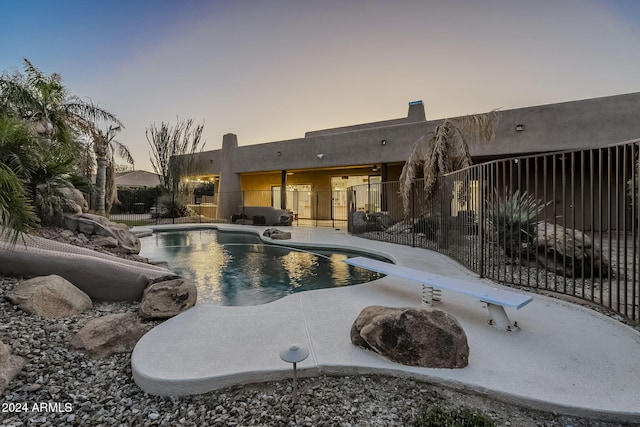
x,y
231,268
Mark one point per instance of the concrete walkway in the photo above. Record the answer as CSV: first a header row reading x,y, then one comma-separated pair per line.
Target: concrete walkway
x,y
564,357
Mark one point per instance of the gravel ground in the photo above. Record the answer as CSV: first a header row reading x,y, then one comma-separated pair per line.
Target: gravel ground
x,y
60,386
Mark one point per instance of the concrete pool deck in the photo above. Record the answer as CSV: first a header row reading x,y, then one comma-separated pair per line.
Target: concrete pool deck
x,y
564,357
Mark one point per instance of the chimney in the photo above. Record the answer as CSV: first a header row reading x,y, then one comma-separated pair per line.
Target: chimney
x,y
416,112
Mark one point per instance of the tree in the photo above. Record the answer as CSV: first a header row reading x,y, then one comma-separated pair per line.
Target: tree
x,y
54,115
105,147
444,150
173,149
17,161
40,129
45,104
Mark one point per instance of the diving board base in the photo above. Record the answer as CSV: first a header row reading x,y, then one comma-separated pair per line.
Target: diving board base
x,y
499,318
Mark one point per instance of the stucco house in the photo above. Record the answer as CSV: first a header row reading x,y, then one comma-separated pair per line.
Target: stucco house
x,y
316,170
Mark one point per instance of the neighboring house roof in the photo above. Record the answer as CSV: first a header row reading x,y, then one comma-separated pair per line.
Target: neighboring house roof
x,y
137,179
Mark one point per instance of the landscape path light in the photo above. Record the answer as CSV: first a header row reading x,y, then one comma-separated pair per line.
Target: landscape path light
x,y
294,354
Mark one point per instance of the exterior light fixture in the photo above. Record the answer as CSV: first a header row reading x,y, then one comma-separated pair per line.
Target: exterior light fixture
x,y
320,156
383,142
294,354
519,128
279,153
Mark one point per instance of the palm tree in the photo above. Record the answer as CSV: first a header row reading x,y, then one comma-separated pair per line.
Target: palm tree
x,y
44,103
105,147
444,150
57,116
18,158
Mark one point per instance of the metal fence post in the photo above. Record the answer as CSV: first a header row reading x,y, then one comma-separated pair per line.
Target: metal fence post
x,y
480,205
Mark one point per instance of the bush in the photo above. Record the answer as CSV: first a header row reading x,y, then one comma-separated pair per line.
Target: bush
x,y
437,416
514,219
174,206
427,226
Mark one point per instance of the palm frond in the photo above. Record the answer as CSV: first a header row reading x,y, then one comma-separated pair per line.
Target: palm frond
x,y
443,151
477,128
17,215
122,151
411,167
89,112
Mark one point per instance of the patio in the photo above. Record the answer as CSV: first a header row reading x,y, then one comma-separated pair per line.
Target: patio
x,y
564,356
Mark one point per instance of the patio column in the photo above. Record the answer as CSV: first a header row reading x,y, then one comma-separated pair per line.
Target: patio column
x,y
283,189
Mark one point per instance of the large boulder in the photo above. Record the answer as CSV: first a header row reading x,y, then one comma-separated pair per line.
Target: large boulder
x,y
424,337
358,222
168,298
569,252
110,334
49,296
90,225
275,234
75,202
10,366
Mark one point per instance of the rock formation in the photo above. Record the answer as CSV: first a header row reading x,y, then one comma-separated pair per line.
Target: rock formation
x,y
569,252
424,337
75,201
10,366
275,234
49,296
89,225
110,334
168,298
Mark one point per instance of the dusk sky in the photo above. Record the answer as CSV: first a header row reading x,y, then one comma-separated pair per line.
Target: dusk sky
x,y
270,70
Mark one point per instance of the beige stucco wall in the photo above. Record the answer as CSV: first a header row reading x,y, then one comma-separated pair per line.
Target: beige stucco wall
x,y
555,127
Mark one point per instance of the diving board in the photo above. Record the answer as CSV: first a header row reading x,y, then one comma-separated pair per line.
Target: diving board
x,y
495,299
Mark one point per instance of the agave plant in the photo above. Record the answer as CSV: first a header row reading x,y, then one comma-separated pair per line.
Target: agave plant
x,y
513,219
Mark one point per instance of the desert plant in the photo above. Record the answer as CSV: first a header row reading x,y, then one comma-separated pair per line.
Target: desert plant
x,y
427,226
18,159
513,219
101,151
173,150
437,416
174,206
444,150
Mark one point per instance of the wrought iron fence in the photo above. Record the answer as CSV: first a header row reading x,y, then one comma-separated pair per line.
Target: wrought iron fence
x,y
147,206
310,208
563,222
259,207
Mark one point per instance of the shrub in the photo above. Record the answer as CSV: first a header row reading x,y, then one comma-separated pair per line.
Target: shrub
x,y
437,416
513,218
427,226
174,206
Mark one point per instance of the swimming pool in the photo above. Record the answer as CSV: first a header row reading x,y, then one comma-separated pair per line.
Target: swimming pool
x,y
234,268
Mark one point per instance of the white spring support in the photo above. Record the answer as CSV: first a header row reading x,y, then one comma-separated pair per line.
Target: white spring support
x,y
431,295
